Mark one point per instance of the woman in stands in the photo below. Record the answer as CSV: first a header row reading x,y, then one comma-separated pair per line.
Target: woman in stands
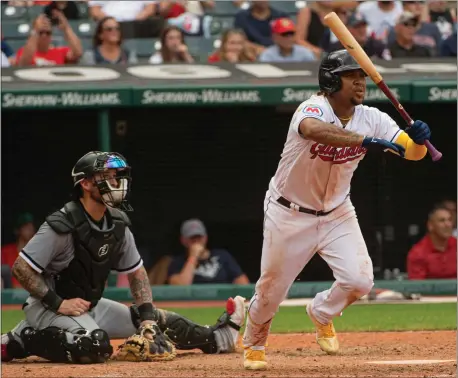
x,y
233,48
173,48
108,45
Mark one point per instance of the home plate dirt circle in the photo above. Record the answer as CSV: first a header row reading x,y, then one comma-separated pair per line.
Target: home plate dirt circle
x,y
289,355
409,362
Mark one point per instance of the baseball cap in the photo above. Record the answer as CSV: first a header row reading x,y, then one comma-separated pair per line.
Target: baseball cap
x,y
356,19
193,227
407,16
282,25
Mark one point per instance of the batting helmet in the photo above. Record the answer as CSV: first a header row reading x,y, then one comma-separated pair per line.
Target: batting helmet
x,y
94,165
330,68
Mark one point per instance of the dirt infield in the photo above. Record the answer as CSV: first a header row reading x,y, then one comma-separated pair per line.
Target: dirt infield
x,y
289,355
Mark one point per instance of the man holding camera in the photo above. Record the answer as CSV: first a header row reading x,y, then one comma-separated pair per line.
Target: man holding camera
x,y
38,51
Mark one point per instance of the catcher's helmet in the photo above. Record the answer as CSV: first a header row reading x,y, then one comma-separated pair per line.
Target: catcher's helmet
x,y
330,68
93,165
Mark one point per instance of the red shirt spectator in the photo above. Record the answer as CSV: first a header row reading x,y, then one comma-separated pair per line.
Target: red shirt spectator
x,y
53,56
434,256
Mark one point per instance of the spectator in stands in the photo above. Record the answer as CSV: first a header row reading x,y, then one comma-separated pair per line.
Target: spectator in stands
x,y
172,9
450,205
285,49
357,25
5,62
68,8
404,45
427,34
40,52
122,10
448,47
107,45
201,265
255,22
328,36
443,16
310,27
24,229
173,48
8,52
381,16
434,256
233,49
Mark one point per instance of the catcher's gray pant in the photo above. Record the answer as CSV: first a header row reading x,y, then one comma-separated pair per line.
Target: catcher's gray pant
x,y
113,317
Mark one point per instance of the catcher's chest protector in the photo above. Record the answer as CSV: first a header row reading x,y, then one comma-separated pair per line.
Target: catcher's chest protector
x,y
96,251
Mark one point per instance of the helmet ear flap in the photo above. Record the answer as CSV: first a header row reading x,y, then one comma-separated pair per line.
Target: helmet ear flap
x,y
333,82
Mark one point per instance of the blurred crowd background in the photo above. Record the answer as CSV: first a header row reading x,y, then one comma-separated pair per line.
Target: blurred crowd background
x,y
120,32
43,33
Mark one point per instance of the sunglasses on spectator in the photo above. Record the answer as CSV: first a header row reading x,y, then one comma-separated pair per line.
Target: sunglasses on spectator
x,y
111,28
414,24
45,32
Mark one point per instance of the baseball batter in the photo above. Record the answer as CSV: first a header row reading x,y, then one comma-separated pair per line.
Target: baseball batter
x,y
65,266
307,205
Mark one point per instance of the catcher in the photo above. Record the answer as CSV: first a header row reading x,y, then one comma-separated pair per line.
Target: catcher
x,y
65,266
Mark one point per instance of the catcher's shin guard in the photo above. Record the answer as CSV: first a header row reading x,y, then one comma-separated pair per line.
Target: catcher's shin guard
x,y
184,333
53,344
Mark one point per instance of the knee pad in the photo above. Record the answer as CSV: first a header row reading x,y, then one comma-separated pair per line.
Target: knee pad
x,y
52,344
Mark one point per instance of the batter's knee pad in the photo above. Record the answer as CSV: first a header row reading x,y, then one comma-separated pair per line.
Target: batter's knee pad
x,y
53,344
184,333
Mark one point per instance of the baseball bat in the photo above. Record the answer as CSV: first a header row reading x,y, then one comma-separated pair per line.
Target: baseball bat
x,y
355,50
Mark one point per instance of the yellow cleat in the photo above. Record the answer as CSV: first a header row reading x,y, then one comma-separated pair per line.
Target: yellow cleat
x,y
325,334
254,359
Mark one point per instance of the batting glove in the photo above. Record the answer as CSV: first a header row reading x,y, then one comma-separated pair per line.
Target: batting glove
x,y
371,142
419,132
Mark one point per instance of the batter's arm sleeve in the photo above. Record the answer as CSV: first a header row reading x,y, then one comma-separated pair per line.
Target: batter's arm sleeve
x,y
413,151
130,260
416,265
44,246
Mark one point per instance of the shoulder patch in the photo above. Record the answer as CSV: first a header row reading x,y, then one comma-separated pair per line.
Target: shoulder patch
x,y
312,109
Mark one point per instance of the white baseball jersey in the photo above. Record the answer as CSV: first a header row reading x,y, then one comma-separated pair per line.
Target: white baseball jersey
x,y
317,176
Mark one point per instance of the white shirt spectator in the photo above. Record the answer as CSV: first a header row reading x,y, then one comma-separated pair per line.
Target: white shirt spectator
x,y
121,10
380,22
5,61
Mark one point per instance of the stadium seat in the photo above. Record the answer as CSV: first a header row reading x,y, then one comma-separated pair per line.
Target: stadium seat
x,y
223,23
34,11
83,28
223,8
143,48
83,10
15,29
14,13
286,6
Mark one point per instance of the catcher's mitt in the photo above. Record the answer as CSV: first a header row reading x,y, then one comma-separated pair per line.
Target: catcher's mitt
x,y
146,345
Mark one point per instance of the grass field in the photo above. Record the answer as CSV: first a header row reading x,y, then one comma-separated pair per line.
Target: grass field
x,y
373,317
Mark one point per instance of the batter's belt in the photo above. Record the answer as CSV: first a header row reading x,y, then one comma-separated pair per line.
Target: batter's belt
x,y
283,201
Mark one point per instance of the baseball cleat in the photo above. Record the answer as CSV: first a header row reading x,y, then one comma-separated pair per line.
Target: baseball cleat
x,y
254,359
326,336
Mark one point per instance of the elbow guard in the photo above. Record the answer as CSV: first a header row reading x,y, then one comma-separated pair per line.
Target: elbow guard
x,y
413,151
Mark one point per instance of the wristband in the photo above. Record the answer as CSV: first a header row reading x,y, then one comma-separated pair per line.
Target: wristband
x,y
52,300
146,311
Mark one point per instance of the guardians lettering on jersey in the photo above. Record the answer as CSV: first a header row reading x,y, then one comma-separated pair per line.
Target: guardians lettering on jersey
x,y
337,155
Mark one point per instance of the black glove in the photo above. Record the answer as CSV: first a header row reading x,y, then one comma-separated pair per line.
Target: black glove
x,y
419,132
371,142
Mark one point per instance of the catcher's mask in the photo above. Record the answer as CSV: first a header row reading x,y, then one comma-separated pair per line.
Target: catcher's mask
x,y
96,166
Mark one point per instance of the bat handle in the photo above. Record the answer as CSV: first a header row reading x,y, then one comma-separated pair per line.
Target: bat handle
x,y
435,154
